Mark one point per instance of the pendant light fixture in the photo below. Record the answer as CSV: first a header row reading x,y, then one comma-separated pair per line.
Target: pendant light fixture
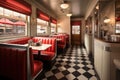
x,y
69,14
106,19
64,5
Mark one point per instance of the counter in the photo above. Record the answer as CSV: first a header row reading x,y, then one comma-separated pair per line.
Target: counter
x,y
107,41
88,43
104,54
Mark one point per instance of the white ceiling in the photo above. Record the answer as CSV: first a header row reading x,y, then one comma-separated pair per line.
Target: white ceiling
x,y
77,7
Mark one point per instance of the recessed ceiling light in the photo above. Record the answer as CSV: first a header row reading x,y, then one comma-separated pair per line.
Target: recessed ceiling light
x,y
97,7
69,14
64,5
106,20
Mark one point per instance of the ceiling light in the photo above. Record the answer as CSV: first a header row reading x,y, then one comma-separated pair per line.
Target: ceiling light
x,y
97,7
106,20
69,14
64,5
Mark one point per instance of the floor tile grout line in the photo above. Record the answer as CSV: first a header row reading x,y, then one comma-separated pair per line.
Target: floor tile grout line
x,y
77,51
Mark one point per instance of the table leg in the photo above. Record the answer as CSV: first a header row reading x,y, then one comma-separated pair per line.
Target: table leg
x,y
39,53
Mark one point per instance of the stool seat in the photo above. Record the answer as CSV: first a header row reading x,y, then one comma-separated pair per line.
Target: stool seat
x,y
117,63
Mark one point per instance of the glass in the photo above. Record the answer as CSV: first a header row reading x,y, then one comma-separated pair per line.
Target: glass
x,y
1,11
8,12
76,29
117,16
53,28
41,26
12,23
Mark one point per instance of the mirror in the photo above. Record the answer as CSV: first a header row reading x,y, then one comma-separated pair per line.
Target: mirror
x,y
106,17
96,18
117,16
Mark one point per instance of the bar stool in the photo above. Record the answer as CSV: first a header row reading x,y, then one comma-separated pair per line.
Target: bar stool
x,y
117,64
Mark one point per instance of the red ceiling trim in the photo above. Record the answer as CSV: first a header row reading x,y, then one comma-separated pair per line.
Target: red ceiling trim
x,y
42,15
118,19
76,22
17,5
53,20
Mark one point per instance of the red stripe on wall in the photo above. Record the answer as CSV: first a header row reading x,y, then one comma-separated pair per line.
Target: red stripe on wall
x,y
16,5
53,20
76,22
42,15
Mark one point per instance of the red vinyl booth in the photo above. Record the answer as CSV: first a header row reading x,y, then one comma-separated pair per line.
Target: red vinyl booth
x,y
67,38
14,63
50,53
23,40
61,44
47,56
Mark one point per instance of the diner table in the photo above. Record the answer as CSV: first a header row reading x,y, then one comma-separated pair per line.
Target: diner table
x,y
58,40
39,48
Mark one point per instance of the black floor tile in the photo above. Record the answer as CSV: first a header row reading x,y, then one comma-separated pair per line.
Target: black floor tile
x,y
72,65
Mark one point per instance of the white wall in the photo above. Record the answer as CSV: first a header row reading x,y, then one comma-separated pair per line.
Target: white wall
x,y
88,43
90,8
108,11
104,55
33,23
83,30
64,25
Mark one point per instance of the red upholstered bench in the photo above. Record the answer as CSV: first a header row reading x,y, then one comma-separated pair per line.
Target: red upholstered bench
x,y
14,63
23,40
62,43
49,55
67,38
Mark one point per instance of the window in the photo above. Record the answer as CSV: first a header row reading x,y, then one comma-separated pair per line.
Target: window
x,y
76,29
1,11
118,27
7,12
53,28
41,26
12,23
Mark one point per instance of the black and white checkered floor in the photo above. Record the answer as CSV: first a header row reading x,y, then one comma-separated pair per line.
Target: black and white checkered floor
x,y
73,65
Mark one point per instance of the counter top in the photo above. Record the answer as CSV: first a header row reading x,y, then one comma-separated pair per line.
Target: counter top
x,y
117,63
107,41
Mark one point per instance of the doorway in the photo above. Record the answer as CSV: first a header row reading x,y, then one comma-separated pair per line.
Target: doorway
x,y
75,33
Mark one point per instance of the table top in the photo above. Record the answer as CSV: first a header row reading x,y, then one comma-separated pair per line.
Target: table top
x,y
58,39
41,47
117,63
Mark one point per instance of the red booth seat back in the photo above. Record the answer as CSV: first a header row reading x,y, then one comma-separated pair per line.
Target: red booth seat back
x,y
23,40
47,40
62,37
13,63
66,36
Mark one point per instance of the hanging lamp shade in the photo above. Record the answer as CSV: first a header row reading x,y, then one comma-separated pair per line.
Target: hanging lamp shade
x,y
106,19
64,5
69,14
